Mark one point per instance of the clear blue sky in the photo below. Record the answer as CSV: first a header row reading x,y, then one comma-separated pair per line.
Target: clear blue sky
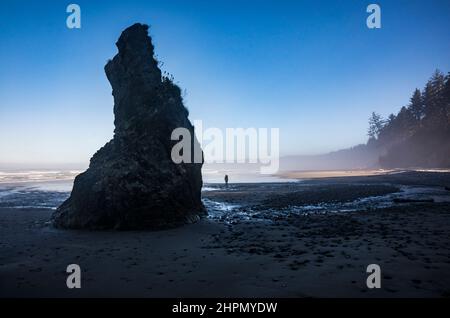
x,y
311,68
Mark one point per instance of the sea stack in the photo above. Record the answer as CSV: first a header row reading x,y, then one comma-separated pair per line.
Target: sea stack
x,y
132,182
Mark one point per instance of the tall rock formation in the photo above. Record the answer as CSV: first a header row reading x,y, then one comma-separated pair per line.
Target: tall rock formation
x,y
132,182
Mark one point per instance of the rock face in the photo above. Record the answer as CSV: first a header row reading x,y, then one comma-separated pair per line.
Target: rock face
x,y
132,182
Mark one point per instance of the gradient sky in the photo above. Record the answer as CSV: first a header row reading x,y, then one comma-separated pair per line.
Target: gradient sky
x,y
311,68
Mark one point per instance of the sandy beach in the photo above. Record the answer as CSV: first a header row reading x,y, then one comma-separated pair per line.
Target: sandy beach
x,y
301,239
319,174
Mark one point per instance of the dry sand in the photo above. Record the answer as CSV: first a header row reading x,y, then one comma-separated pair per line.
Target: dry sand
x,y
317,174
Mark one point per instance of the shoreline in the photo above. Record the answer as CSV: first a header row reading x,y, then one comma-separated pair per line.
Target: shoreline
x,y
321,174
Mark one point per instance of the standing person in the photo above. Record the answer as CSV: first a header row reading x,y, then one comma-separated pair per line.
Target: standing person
x,y
226,180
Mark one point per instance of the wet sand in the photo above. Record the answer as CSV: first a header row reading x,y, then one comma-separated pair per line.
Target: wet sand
x,y
259,241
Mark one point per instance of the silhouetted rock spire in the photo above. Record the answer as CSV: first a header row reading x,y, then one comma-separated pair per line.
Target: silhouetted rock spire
x,y
132,182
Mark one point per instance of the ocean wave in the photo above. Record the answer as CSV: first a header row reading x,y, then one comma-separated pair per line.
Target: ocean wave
x,y
36,175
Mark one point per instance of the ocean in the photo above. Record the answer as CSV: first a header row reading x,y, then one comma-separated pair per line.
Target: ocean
x,y
50,188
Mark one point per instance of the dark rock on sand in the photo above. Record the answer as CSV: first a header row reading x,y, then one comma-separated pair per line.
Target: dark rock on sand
x,y
132,182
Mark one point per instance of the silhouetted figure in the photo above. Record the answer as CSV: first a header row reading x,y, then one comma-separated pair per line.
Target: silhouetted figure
x,y
226,180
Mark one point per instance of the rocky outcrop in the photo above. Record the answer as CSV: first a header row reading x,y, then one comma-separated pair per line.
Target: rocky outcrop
x,y
132,182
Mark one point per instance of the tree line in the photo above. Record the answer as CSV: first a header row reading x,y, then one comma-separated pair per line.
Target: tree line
x,y
419,134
